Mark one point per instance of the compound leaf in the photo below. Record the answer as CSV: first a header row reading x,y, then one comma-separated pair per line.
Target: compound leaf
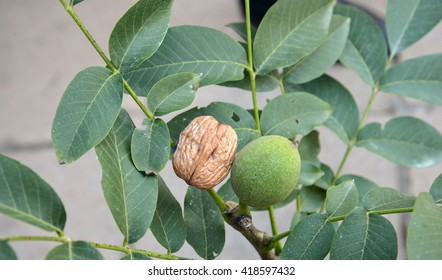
x,y
292,114
363,236
130,194
227,193
409,20
405,140
310,173
344,119
309,147
26,197
325,181
324,56
424,235
150,147
196,49
310,239
362,184
241,29
418,78
387,199
168,224
289,31
172,93
366,50
205,224
311,199
341,199
139,33
86,113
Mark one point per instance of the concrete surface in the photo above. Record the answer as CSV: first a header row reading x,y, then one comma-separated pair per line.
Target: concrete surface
x,y
41,51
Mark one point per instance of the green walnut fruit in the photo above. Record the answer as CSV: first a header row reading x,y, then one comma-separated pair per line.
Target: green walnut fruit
x,y
266,171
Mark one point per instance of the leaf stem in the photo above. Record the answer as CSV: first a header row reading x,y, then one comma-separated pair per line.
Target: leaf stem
x,y
276,239
250,68
281,86
137,100
249,34
379,212
278,246
127,250
124,249
35,238
70,9
351,144
71,12
218,200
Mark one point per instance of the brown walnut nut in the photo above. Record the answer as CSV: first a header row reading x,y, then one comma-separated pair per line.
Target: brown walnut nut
x,y
205,152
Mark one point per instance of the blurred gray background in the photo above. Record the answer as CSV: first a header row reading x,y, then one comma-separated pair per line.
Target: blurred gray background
x,y
41,51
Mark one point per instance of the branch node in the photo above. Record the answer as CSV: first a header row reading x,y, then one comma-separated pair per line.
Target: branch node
x,y
243,221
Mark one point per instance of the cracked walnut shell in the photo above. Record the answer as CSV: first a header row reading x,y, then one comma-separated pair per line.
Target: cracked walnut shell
x,y
205,152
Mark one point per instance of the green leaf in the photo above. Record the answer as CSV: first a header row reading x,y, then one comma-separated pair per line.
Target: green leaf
x,y
418,78
263,83
241,29
76,250
405,140
135,256
26,197
324,56
424,235
139,33
231,114
205,224
292,114
310,239
194,49
150,147
387,199
168,224
292,196
297,217
341,199
130,194
409,20
6,252
75,2
246,135
325,181
366,50
310,199
345,117
362,184
88,109
227,193
309,147
289,31
172,93
436,189
364,236
310,173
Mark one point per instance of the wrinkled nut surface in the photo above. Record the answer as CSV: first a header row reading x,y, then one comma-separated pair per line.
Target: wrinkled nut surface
x,y
205,152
